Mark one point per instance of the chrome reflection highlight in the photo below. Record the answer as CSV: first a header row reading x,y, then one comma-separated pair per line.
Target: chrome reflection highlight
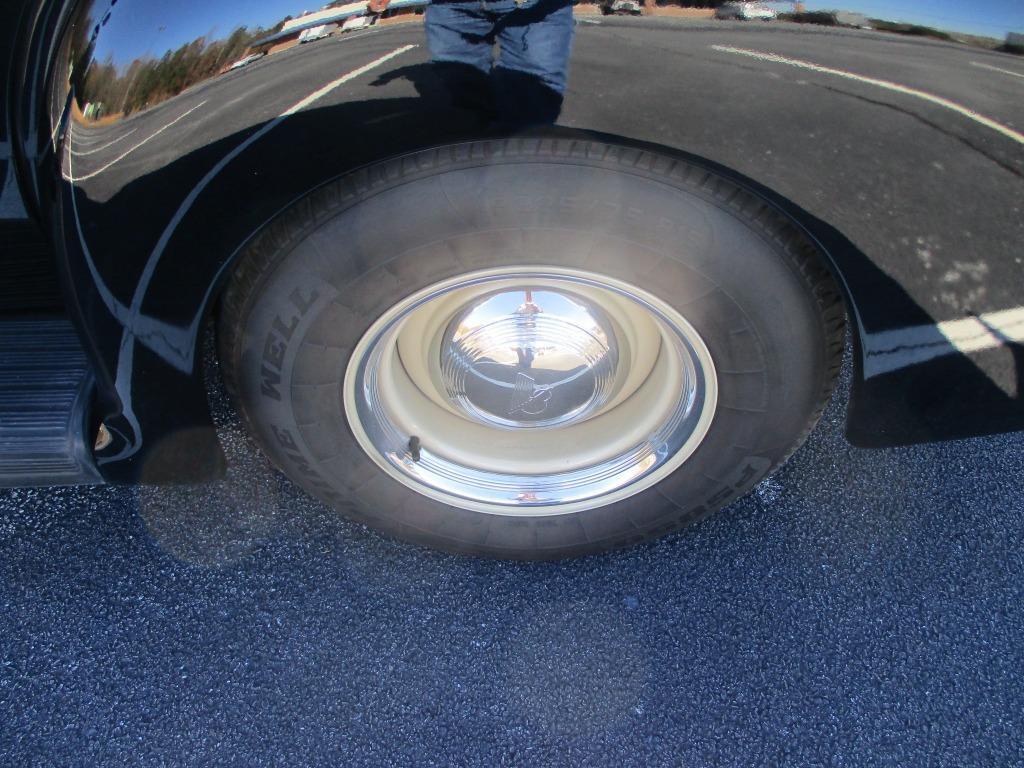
x,y
605,440
525,358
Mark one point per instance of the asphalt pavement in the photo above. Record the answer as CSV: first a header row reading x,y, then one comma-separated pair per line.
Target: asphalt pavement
x,y
859,608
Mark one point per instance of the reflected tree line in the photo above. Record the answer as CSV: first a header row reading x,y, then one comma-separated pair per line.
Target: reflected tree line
x,y
148,81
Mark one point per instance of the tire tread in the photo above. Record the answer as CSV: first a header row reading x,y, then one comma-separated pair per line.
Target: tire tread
x,y
268,247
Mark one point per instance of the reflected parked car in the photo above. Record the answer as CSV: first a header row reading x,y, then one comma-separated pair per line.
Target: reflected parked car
x,y
318,32
358,22
622,8
245,61
854,20
745,12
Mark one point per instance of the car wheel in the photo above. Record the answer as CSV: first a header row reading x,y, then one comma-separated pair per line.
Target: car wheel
x,y
530,348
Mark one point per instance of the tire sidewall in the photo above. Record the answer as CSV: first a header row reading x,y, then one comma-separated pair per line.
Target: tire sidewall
x,y
689,245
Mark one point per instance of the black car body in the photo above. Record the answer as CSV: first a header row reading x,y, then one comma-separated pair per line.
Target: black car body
x,y
898,157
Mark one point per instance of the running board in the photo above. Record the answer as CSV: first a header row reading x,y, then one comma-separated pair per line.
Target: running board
x,y
45,388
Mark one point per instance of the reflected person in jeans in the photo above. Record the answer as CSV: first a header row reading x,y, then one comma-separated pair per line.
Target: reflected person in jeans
x,y
525,83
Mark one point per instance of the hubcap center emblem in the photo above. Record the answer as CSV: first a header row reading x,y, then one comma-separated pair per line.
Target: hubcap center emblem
x,y
529,357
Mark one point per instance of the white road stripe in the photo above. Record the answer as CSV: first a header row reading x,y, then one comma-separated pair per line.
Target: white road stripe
x,y
171,342
127,152
321,92
108,144
892,350
996,69
887,85
154,258
88,142
87,139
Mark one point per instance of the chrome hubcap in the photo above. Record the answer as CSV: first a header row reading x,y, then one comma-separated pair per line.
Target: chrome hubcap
x,y
530,391
524,358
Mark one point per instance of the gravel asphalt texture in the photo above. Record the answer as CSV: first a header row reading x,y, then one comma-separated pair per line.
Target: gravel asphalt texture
x,y
860,608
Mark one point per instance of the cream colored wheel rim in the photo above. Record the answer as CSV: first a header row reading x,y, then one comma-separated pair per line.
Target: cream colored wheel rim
x,y
530,391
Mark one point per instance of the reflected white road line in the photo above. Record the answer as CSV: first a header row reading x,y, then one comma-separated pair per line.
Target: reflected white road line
x,y
171,341
885,84
86,139
169,352
127,152
321,92
108,144
997,69
892,350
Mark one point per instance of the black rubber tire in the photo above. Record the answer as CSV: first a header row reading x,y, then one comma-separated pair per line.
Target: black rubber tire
x,y
309,285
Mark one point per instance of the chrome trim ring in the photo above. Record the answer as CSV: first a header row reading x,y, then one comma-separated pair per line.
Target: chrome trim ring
x,y
434,391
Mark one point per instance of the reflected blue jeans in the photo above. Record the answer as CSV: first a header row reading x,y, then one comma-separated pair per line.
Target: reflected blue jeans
x,y
524,84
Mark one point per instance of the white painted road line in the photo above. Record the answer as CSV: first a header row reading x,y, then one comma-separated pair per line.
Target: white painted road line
x,y
997,69
90,136
267,128
133,321
177,354
108,144
886,84
892,350
127,152
321,92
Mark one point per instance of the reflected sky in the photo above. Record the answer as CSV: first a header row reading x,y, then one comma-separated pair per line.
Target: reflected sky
x,y
140,27
993,18
143,28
